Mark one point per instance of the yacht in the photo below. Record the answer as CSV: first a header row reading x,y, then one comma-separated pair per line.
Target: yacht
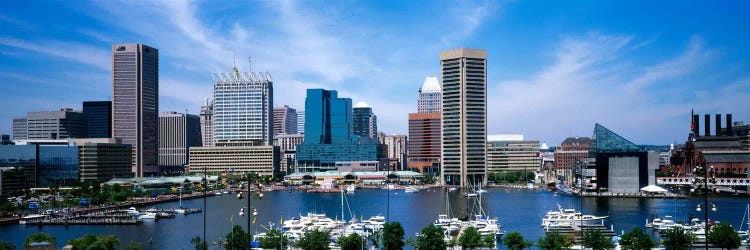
x,y
147,216
568,217
132,211
411,190
448,224
351,188
30,217
486,226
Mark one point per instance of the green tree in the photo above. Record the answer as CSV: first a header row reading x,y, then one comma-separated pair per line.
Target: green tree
x,y
470,238
678,239
4,245
596,240
39,237
238,238
199,243
515,241
724,236
274,240
636,239
554,241
352,242
489,240
133,246
431,238
393,236
108,242
314,240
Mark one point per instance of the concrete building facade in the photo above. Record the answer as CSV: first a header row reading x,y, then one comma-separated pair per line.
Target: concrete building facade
x,y
572,149
50,125
207,124
284,120
177,133
511,152
243,106
424,142
262,160
397,148
430,98
135,104
464,124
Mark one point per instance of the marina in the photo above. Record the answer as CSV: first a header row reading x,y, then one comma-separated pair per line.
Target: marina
x,y
519,210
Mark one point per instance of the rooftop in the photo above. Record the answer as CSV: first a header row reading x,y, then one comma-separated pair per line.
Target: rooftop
x,y
431,85
362,105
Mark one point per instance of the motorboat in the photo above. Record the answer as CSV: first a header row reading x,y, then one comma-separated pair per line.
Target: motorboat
x,y
448,224
31,217
351,188
132,211
486,226
481,191
147,216
451,189
569,216
411,190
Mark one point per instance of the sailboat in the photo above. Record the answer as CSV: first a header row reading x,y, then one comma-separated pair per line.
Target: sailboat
x,y
180,210
450,224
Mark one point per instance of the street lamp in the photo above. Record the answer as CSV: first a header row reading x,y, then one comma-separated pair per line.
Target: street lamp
x,y
701,169
250,181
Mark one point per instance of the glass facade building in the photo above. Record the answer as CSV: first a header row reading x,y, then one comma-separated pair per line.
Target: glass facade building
x,y
365,122
329,133
58,165
18,168
243,107
98,118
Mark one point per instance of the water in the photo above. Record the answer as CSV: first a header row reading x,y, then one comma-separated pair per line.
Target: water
x,y
518,210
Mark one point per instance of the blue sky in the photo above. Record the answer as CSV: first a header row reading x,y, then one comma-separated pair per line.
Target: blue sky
x,y
555,67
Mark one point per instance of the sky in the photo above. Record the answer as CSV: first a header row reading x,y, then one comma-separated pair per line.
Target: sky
x,y
555,68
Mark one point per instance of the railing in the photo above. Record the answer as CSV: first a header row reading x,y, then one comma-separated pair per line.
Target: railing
x,y
689,181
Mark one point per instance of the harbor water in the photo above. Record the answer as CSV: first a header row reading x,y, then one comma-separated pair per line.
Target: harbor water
x,y
517,210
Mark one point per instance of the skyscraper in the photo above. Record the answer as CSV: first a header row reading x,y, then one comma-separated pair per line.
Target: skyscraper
x,y
365,122
329,135
464,137
98,118
207,124
284,120
424,142
430,96
177,134
243,107
53,125
135,103
396,145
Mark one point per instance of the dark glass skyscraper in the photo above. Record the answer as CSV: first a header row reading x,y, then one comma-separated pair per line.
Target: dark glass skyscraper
x,y
135,103
98,118
365,122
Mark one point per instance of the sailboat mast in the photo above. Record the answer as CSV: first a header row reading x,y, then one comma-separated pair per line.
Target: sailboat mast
x,y
342,205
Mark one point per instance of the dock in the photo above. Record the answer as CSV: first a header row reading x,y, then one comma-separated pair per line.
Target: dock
x,y
633,195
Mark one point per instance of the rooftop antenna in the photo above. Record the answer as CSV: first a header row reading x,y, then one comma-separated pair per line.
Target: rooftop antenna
x,y
249,64
234,58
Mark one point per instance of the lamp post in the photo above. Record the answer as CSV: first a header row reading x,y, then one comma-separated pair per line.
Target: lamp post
x,y
250,181
701,169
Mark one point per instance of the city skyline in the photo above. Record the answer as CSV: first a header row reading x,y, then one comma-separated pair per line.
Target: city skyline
x,y
553,72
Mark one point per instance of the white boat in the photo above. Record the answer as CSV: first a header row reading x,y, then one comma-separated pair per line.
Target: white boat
x,y
25,219
351,188
569,217
132,211
481,191
451,189
471,194
486,226
411,190
147,216
390,187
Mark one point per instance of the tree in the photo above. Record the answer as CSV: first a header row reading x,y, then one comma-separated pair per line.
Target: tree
x,y
4,245
39,237
724,236
351,242
89,241
596,240
489,240
431,238
274,240
393,236
678,239
133,246
238,238
515,241
314,240
554,241
636,239
470,238
199,243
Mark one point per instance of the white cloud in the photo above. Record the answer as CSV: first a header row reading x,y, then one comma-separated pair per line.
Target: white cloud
x,y
93,56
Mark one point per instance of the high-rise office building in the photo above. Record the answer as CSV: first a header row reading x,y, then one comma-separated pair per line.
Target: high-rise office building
x,y
135,104
98,118
397,145
329,133
50,125
5,140
177,133
424,142
365,122
300,122
243,107
464,124
430,96
207,124
284,120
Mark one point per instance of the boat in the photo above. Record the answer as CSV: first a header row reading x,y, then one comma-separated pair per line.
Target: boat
x,y
218,193
561,189
481,191
569,217
390,187
411,190
451,189
351,188
147,216
26,219
132,211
